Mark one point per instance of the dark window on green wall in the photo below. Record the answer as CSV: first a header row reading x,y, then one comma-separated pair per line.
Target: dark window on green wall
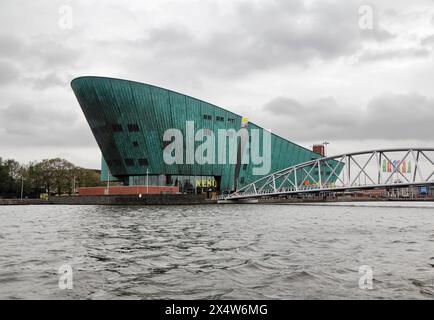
x,y
129,162
245,166
231,120
133,127
218,118
135,144
207,117
143,162
117,127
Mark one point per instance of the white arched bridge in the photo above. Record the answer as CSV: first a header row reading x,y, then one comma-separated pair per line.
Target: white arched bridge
x,y
372,169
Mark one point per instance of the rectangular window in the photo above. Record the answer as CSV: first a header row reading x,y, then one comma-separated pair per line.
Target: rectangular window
x,y
245,166
135,144
242,180
207,117
231,120
117,127
129,162
133,127
218,118
143,162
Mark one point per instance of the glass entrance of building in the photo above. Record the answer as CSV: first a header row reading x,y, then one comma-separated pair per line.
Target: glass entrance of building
x,y
186,184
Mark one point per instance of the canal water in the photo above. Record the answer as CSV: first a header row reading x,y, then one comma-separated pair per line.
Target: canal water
x,y
221,251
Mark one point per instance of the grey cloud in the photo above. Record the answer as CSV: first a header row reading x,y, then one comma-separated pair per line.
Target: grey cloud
x,y
283,106
428,41
380,55
389,116
36,55
52,52
10,46
26,116
48,81
8,72
377,34
29,125
391,12
258,37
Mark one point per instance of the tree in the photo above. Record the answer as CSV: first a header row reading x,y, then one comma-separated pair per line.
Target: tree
x,y
3,177
87,178
54,175
49,175
10,177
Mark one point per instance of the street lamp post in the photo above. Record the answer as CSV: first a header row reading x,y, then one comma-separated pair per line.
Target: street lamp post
x,y
147,181
73,186
22,187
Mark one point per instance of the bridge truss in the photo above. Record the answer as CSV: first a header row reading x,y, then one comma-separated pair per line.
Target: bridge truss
x,y
386,168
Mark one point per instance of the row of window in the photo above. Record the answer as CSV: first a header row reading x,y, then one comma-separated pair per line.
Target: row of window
x,y
218,118
143,162
132,127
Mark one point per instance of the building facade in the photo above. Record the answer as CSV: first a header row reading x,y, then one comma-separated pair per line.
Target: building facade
x,y
129,120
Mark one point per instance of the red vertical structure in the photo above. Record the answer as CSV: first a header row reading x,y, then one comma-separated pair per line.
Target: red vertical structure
x,y
319,148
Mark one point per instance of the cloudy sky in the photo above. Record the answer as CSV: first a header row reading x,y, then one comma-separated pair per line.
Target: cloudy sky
x,y
309,70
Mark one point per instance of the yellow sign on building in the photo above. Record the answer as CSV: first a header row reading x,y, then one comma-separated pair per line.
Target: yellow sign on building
x,y
244,122
206,183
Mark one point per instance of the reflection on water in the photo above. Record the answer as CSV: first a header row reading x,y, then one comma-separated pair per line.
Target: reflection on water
x,y
227,251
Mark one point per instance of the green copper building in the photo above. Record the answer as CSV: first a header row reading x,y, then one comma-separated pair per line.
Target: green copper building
x,y
129,119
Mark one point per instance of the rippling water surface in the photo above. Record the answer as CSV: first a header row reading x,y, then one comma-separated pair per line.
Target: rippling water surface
x,y
227,251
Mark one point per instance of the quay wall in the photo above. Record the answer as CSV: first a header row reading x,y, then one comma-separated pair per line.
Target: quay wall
x,y
151,199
